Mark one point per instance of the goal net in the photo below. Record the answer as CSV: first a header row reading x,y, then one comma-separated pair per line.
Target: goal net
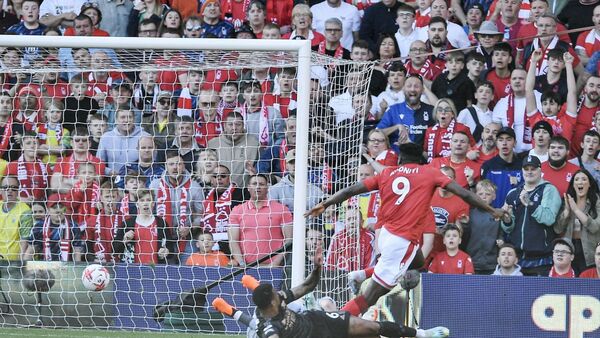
x,y
172,168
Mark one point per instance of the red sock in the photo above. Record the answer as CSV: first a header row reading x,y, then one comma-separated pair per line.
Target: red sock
x,y
356,306
369,271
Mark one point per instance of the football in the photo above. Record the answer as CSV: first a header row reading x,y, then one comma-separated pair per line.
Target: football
x,y
95,277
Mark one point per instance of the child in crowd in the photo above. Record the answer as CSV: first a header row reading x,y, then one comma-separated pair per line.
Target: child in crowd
x,y
478,115
54,139
38,214
454,82
499,75
78,106
206,256
485,232
29,170
101,228
507,261
229,99
97,126
144,239
453,260
562,120
85,194
271,31
60,239
393,94
133,182
475,64
423,14
283,97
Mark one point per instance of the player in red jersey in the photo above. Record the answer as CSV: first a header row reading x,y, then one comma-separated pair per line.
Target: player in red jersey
x,y
406,192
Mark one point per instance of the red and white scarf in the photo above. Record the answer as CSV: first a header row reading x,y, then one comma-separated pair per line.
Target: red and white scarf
x,y
42,132
425,71
89,158
590,41
568,274
65,239
227,11
444,138
264,136
283,149
224,108
217,210
104,252
542,65
164,202
5,143
510,117
327,178
339,51
124,208
89,209
29,174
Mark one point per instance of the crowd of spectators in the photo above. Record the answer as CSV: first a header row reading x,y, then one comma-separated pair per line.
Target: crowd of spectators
x,y
198,167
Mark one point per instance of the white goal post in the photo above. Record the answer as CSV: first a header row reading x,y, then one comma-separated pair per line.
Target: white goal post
x,y
302,47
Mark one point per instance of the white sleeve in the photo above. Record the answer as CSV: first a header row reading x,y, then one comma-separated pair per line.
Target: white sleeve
x,y
355,20
499,113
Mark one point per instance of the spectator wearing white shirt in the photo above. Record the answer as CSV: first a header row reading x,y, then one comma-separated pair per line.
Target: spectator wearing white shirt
x,y
347,13
406,33
477,116
456,34
60,13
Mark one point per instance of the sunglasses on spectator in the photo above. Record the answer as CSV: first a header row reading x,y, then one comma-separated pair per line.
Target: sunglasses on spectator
x,y
89,4
164,102
10,187
80,140
193,28
562,252
333,30
209,104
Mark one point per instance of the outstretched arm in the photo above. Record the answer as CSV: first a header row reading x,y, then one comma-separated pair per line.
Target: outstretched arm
x,y
530,82
338,197
311,282
571,84
473,200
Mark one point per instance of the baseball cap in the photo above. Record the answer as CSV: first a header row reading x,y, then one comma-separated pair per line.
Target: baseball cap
x,y
532,161
508,131
290,156
543,125
165,93
29,90
565,241
245,29
477,6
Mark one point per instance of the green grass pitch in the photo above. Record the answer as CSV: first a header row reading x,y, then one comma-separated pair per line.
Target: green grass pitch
x,y
63,333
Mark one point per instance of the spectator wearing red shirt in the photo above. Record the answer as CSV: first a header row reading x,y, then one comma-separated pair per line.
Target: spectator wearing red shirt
x,y
447,209
343,253
168,79
29,170
188,96
438,138
557,170
378,150
593,272
208,123
283,97
29,105
302,23
258,226
256,18
467,172
563,253
64,175
586,112
499,75
487,149
405,191
509,21
589,42
84,197
452,260
90,9
145,238
528,31
9,148
103,224
49,82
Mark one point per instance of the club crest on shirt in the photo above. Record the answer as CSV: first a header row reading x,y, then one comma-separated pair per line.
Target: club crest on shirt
x,y
459,263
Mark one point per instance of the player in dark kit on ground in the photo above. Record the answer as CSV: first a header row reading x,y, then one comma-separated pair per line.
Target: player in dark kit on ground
x,y
406,192
275,320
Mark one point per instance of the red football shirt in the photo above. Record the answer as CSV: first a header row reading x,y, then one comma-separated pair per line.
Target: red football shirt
x,y
585,122
146,243
406,193
590,273
459,168
559,178
562,124
501,86
459,264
